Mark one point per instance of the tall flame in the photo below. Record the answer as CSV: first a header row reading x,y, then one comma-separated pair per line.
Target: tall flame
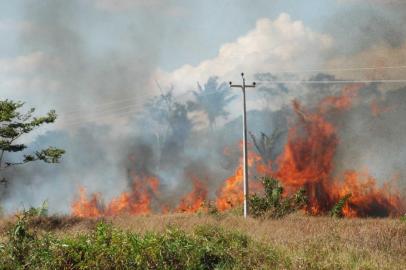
x,y
195,200
307,161
231,194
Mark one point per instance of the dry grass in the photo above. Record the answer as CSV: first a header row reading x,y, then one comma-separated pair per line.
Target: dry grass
x,y
304,242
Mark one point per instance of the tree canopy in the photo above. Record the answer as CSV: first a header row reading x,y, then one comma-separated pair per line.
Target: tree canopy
x,y
13,125
212,99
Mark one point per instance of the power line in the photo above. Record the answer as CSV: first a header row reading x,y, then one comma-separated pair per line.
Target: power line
x,y
101,116
338,69
117,112
73,116
99,106
329,82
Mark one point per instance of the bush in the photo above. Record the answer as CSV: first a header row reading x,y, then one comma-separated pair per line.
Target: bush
x,y
274,204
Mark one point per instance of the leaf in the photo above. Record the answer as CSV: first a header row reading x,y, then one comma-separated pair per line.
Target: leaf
x,y
337,210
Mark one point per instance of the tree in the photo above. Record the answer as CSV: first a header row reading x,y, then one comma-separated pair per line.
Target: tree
x,y
13,125
212,99
168,119
265,144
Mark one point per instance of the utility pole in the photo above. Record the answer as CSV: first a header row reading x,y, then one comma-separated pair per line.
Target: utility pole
x,y
245,151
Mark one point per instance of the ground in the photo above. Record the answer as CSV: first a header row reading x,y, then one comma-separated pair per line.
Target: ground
x,y
300,241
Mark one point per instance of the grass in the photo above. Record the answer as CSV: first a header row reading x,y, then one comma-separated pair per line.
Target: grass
x,y
182,241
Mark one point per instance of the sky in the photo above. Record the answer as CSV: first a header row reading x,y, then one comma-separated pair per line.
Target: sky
x,y
96,62
168,35
191,30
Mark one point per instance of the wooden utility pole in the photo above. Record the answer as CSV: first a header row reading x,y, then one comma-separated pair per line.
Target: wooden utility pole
x,y
245,151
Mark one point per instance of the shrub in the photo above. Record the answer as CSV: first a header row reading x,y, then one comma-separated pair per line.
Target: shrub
x,y
274,204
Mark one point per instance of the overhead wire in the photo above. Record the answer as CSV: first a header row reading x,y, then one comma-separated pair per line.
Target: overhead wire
x,y
337,69
101,111
327,82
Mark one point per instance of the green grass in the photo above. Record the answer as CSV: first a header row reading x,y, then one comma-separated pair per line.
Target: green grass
x,y
201,241
107,247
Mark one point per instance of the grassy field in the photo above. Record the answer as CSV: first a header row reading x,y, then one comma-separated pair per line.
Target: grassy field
x,y
201,241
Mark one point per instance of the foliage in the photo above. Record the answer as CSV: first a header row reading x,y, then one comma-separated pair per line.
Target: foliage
x,y
168,119
41,211
337,210
274,204
403,218
13,125
20,238
106,247
212,99
265,143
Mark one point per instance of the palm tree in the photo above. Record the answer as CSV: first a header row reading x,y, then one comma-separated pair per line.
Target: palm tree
x,y
212,99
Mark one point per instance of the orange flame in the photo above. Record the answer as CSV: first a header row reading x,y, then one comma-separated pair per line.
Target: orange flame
x,y
138,201
306,161
85,207
231,193
366,198
195,200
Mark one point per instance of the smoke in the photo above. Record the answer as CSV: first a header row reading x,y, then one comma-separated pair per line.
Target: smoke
x,y
70,74
82,75
371,135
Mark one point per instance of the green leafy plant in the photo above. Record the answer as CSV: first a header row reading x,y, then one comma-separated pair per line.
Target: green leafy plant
x,y
20,240
41,211
107,247
337,210
274,204
13,125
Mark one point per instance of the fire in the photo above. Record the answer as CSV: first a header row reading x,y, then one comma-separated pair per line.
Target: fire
x,y
138,201
366,198
231,193
307,161
195,200
85,207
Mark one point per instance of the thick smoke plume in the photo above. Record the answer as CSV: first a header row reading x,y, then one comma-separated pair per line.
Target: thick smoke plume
x,y
169,137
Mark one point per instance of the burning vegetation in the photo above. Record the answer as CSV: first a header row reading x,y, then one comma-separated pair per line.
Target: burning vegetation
x,y
305,163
